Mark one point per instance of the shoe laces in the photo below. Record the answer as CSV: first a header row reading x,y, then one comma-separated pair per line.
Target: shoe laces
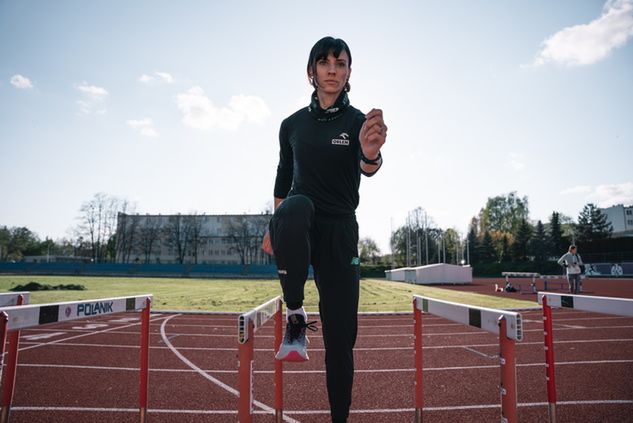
x,y
297,327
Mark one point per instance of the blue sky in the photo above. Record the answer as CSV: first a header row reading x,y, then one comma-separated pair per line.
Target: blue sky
x,y
176,106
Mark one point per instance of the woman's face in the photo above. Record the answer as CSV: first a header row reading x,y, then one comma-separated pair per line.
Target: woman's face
x,y
332,73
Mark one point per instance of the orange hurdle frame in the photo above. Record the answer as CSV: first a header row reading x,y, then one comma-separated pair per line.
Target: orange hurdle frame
x,y
495,321
606,305
22,317
12,364
246,338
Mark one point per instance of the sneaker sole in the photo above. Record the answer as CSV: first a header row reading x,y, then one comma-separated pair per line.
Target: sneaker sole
x,y
292,356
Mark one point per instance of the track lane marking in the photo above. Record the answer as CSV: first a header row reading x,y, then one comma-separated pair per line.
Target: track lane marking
x,y
316,412
218,382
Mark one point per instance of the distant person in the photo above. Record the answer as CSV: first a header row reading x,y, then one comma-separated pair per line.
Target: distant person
x,y
510,288
572,263
324,149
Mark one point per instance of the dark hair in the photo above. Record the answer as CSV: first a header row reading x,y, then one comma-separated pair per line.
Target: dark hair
x,y
571,247
322,49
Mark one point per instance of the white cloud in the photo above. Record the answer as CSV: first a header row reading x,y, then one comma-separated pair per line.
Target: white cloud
x,y
92,99
578,189
145,127
515,162
21,82
605,195
586,44
156,78
199,112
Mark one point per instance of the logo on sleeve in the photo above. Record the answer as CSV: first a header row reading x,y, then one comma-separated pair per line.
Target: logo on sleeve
x,y
343,139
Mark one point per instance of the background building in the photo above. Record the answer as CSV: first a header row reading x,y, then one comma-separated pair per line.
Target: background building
x,y
192,239
621,219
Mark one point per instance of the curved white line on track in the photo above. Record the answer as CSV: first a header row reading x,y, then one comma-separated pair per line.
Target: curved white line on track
x,y
209,377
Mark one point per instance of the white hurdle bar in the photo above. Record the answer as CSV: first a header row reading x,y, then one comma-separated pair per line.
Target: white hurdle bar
x,y
508,325
20,317
8,299
605,305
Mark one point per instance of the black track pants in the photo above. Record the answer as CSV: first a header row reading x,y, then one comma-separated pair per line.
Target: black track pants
x,y
330,244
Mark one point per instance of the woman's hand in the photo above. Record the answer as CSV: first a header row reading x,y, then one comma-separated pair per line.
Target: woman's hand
x,y
267,246
373,134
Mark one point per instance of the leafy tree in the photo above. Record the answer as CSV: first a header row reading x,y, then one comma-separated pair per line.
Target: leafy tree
x,y
505,249
472,244
486,251
538,245
504,213
593,225
369,251
556,241
522,242
5,236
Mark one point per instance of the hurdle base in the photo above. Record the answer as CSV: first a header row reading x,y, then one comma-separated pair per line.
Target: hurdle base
x,y
418,415
4,414
551,412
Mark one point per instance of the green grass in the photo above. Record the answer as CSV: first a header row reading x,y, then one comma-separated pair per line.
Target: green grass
x,y
239,294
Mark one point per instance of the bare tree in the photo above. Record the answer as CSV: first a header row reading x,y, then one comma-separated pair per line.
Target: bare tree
x,y
148,234
126,234
98,221
193,223
246,233
177,236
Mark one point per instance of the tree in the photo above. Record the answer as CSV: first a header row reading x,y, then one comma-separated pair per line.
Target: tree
x,y
148,237
522,242
592,225
472,241
177,236
5,236
246,236
98,220
368,250
538,245
556,241
487,252
504,213
505,249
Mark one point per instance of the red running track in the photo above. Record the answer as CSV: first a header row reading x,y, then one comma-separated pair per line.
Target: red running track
x,y
87,371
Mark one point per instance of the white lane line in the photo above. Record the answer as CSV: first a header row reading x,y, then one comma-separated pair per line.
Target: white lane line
x,y
396,370
78,336
407,348
464,407
211,378
480,353
313,412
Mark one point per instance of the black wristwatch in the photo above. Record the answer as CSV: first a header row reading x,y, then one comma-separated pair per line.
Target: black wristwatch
x,y
368,161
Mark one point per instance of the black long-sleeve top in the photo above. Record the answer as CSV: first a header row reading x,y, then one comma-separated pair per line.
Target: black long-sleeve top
x,y
320,158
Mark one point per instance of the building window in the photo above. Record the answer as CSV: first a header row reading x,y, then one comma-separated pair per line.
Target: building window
x,y
629,222
629,212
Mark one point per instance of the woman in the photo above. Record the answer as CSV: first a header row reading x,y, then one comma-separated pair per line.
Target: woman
x,y
324,149
572,262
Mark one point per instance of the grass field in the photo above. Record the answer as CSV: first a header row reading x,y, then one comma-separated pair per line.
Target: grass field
x,y
239,294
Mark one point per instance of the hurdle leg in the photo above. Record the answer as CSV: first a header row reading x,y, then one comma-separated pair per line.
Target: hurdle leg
x,y
4,319
246,351
9,376
508,387
279,394
548,335
419,386
144,373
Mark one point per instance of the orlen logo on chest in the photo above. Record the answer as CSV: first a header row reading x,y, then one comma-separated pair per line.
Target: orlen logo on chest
x,y
342,139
